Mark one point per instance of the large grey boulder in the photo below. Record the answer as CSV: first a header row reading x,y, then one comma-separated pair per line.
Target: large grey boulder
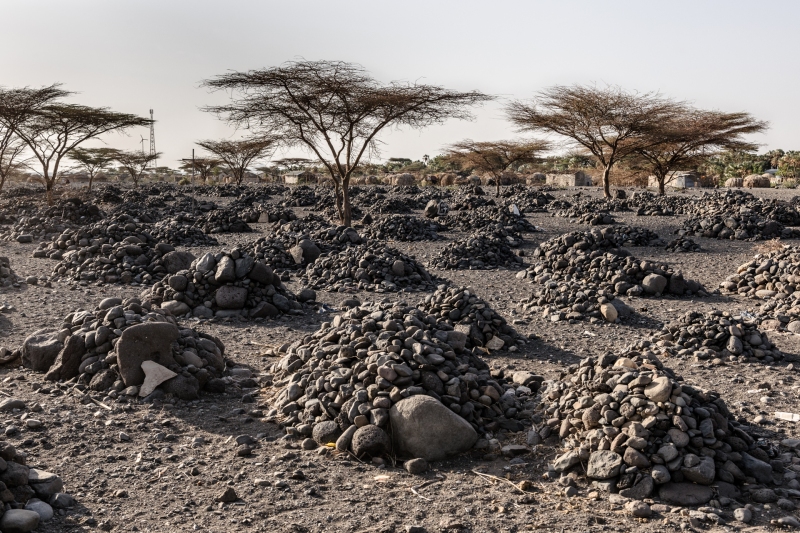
x,y
226,270
305,252
174,262
370,440
431,209
654,284
423,427
19,521
151,341
261,273
230,297
39,351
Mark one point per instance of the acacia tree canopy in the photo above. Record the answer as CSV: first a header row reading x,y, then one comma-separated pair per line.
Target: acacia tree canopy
x,y
608,122
135,162
17,106
93,160
690,136
335,110
54,130
202,165
496,157
238,155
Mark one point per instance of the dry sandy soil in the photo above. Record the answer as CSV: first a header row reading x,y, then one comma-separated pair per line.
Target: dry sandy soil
x,y
138,467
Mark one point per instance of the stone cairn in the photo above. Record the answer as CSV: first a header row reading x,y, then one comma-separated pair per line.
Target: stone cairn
x,y
639,430
226,284
488,216
372,267
7,276
41,224
461,309
29,494
488,248
741,227
389,368
296,244
527,199
773,278
718,337
127,349
683,244
406,228
300,196
222,221
579,274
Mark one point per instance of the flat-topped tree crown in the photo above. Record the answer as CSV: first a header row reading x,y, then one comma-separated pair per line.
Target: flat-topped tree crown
x,y
335,110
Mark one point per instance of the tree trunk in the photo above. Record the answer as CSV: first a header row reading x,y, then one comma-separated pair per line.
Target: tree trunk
x,y
607,181
497,186
49,188
661,180
346,212
337,201
91,179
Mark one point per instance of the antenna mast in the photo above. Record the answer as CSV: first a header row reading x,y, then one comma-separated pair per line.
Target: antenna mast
x,y
152,138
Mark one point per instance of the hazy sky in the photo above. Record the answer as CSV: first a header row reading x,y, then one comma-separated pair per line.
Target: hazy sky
x,y
135,55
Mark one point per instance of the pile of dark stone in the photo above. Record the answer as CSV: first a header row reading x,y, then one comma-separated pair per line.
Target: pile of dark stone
x,y
179,231
469,202
683,244
29,494
389,378
371,266
222,221
296,244
403,228
7,276
268,214
594,213
411,190
391,204
558,205
579,277
645,203
630,425
226,284
300,196
432,193
527,199
40,224
133,260
735,201
599,239
223,190
461,309
192,205
137,211
773,278
127,349
488,216
740,227
488,248
716,336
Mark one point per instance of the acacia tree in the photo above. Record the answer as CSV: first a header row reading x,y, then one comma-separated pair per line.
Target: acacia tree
x,y
55,130
238,155
608,122
135,163
689,136
17,106
496,157
204,166
93,160
335,110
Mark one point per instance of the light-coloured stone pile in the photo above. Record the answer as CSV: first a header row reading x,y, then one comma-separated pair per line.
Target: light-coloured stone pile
x,y
226,284
389,369
638,430
372,267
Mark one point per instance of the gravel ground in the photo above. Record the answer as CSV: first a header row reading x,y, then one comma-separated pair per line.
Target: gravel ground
x,y
141,467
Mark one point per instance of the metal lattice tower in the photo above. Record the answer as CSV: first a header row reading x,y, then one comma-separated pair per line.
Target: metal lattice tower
x,y
152,138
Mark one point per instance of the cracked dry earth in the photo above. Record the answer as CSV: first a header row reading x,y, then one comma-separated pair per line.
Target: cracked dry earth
x,y
163,466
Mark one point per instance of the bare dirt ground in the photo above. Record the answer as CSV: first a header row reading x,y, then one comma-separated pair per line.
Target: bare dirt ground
x,y
140,467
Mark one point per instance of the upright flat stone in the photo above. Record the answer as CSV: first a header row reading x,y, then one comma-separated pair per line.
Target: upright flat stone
x,y
154,375
151,341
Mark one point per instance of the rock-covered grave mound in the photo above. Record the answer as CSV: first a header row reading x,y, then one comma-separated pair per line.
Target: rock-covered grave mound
x,y
223,221
488,216
718,336
127,349
388,378
371,266
634,427
740,227
488,248
35,224
683,245
578,275
407,228
7,276
774,278
226,284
